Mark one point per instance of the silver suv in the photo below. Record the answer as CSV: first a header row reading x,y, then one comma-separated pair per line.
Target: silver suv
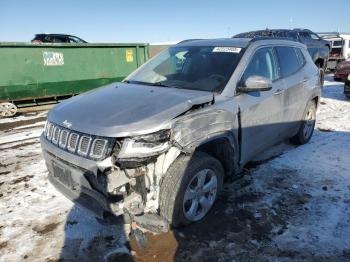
x,y
163,140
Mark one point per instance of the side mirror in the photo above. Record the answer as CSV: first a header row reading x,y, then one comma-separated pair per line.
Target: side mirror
x,y
256,83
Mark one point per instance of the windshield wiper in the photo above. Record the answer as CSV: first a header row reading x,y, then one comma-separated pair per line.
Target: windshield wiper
x,y
160,84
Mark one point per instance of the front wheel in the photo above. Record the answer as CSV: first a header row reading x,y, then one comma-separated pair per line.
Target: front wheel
x,y
307,126
190,188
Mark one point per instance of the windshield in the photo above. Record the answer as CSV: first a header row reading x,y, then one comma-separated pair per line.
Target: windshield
x,y
204,68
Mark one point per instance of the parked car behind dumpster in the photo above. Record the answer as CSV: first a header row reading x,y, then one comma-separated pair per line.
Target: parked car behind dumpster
x,y
56,38
32,74
162,141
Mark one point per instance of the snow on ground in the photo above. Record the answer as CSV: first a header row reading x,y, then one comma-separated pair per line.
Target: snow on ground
x,y
295,207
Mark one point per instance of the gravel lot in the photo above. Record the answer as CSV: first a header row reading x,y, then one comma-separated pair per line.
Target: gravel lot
x,y
295,206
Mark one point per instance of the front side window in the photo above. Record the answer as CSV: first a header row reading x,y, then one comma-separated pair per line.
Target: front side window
x,y
262,64
205,68
288,60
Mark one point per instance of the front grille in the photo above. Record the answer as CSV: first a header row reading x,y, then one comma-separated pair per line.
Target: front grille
x,y
50,131
90,146
56,135
72,142
84,145
63,138
98,147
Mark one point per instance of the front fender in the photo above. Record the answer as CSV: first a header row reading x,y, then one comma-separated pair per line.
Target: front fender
x,y
191,130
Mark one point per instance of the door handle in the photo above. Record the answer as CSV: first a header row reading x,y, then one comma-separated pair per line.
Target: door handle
x,y
278,92
305,80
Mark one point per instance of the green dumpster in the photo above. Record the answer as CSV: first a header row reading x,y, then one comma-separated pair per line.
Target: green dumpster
x,y
36,74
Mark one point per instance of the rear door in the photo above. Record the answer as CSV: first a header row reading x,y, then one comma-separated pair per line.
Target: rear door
x,y
291,63
261,112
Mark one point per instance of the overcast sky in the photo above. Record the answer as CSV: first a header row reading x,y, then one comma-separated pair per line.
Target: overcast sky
x,y
159,21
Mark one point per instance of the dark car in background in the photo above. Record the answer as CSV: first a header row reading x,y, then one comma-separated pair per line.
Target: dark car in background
x,y
317,47
57,38
342,70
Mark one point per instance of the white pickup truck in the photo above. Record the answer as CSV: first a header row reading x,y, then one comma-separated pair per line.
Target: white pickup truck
x,y
340,48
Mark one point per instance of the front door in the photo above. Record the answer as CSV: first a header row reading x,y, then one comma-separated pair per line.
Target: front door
x,y
261,112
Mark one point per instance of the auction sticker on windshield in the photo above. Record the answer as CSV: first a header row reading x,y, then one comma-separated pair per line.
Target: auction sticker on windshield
x,y
227,49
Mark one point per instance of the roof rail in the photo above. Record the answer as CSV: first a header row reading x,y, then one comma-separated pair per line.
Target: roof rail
x,y
189,40
271,38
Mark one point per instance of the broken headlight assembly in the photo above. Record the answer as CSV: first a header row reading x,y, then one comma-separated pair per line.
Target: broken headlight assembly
x,y
137,150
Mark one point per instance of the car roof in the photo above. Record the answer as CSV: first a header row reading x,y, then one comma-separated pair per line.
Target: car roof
x,y
273,31
235,42
54,35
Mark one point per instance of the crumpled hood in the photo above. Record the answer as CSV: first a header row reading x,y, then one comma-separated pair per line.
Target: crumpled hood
x,y
121,109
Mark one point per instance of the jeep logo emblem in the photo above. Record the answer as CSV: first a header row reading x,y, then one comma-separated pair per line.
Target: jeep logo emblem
x,y
67,123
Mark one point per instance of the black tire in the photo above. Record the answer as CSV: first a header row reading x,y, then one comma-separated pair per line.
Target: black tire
x,y
301,137
322,77
177,180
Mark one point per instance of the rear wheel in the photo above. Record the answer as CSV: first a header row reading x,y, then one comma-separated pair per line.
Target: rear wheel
x,y
7,109
322,77
190,188
307,126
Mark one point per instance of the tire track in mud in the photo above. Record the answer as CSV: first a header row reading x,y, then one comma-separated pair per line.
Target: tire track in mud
x,y
11,125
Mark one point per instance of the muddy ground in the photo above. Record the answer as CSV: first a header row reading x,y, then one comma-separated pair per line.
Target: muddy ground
x,y
291,205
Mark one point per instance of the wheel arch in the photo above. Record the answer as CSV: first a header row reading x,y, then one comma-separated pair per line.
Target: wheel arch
x,y
224,148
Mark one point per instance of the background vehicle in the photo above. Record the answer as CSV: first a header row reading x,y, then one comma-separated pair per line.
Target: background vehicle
x,y
342,70
56,38
317,47
340,48
162,141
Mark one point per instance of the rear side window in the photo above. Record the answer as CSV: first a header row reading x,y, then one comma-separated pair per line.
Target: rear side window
x,y
288,60
304,34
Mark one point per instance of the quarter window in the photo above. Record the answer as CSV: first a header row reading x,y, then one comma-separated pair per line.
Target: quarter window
x,y
300,56
288,60
262,64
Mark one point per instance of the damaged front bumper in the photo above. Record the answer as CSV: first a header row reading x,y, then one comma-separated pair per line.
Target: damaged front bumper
x,y
101,187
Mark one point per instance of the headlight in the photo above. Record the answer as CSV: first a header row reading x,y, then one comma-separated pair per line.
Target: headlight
x,y
145,146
